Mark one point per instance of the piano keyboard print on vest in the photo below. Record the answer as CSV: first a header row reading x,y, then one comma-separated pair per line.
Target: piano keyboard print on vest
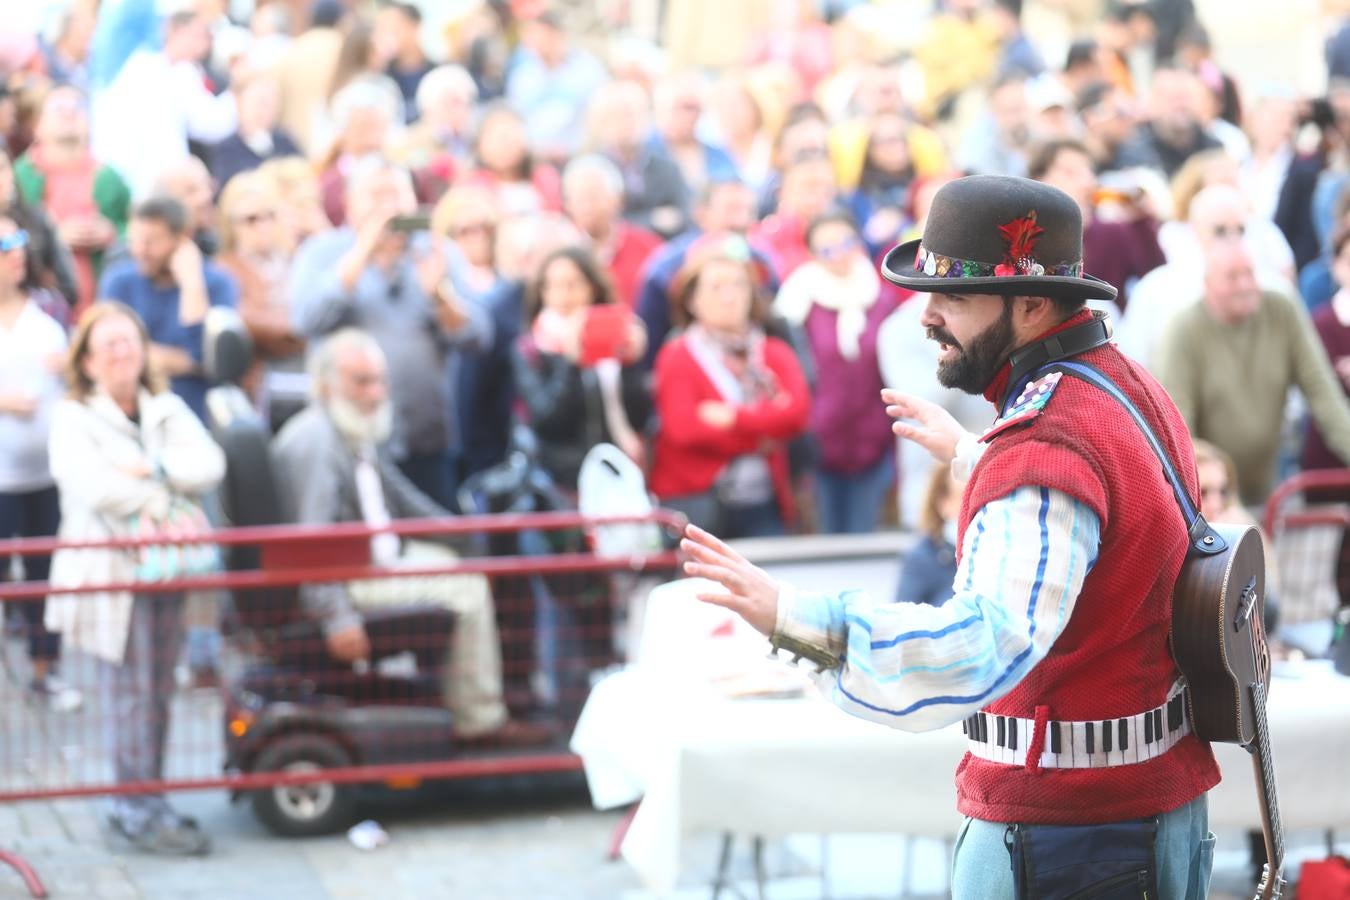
x,y
1081,745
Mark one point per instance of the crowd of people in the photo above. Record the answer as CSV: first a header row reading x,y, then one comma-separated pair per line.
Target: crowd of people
x,y
655,226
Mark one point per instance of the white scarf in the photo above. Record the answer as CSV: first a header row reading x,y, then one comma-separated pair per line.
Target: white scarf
x,y
850,296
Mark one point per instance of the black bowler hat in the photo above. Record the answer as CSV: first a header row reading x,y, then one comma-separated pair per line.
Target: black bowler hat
x,y
994,234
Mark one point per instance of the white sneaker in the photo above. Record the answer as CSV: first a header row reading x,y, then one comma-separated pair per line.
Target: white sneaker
x,y
59,696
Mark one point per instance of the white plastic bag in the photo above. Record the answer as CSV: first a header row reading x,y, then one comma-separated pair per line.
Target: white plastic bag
x,y
611,484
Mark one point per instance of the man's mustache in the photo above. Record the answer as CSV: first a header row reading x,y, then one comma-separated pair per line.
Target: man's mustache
x,y
937,334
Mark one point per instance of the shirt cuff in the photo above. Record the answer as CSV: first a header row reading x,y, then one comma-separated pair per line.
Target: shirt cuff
x,y
969,450
807,628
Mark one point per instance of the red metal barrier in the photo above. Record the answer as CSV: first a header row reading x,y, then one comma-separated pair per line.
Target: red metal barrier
x,y
1306,520
291,715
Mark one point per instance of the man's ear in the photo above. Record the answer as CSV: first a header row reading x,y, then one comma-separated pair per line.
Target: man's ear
x,y
1036,313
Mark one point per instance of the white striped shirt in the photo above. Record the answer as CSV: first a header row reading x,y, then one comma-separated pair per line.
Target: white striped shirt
x,y
919,667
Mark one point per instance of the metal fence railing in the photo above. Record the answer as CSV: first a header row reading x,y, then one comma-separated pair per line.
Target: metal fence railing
x,y
292,727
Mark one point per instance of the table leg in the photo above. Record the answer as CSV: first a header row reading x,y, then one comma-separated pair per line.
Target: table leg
x,y
723,864
621,832
760,877
824,867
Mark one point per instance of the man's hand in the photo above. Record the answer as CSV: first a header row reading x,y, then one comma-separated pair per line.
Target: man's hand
x,y
750,592
431,269
369,234
349,644
185,264
933,428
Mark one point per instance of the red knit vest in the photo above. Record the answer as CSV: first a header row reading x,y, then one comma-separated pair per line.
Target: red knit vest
x,y
1113,659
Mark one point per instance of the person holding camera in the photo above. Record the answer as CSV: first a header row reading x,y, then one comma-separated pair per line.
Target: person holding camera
x,y
577,368
380,272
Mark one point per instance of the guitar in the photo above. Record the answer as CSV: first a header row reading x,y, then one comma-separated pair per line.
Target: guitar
x,y
1219,643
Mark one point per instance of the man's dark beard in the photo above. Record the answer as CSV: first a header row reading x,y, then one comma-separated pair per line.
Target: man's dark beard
x,y
977,364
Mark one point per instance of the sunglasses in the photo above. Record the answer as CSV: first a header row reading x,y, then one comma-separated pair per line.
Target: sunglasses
x,y
255,218
15,241
838,248
471,228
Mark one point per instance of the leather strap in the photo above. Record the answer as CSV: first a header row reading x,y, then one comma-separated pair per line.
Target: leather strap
x,y
1204,540
1069,342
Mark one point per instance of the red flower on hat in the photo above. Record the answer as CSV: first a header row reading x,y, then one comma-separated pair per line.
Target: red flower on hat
x,y
1021,236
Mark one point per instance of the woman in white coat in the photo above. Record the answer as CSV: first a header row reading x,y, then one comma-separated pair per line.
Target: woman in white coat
x,y
121,447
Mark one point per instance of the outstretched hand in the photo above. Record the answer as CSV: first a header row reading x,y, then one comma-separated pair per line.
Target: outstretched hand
x,y
749,591
931,426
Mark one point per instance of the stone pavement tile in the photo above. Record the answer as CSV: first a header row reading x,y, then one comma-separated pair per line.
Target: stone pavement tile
x,y
82,819
246,861
70,871
10,823
38,820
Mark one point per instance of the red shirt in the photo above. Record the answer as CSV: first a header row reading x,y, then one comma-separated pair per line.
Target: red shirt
x,y
783,238
631,248
689,455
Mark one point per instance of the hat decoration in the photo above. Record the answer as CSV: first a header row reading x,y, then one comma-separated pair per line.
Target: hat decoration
x,y
998,234
1020,234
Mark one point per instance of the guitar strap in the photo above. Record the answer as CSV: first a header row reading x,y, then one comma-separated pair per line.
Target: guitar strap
x,y
1203,539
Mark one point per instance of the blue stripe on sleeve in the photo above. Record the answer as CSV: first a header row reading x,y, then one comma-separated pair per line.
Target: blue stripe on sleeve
x,y
1012,667
1045,558
862,623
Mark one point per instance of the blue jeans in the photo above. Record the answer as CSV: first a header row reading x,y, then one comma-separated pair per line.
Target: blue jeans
x,y
32,514
851,504
1183,853
554,623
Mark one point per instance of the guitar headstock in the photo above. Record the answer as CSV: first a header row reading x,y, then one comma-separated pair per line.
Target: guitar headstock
x,y
1269,888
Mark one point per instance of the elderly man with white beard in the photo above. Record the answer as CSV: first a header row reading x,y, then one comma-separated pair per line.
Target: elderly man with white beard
x,y
331,467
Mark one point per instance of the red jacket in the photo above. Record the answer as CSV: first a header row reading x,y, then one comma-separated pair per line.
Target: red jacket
x,y
632,247
689,455
1113,659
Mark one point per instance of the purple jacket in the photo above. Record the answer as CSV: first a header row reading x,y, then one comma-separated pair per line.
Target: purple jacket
x,y
847,416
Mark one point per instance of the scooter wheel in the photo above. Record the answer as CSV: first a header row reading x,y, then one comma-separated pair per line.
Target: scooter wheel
x,y
303,810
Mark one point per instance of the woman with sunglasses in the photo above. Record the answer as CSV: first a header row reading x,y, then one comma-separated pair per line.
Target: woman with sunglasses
x,y
255,251
51,270
467,216
836,299
32,351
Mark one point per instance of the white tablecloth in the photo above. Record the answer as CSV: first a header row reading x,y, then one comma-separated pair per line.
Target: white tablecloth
x,y
702,763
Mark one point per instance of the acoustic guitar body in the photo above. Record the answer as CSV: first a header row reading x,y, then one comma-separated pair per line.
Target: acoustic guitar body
x,y
1222,649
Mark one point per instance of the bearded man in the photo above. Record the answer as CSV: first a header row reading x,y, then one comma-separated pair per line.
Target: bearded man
x,y
170,285
331,467
1082,777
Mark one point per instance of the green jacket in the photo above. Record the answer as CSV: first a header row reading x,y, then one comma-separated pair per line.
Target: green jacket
x,y
112,197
